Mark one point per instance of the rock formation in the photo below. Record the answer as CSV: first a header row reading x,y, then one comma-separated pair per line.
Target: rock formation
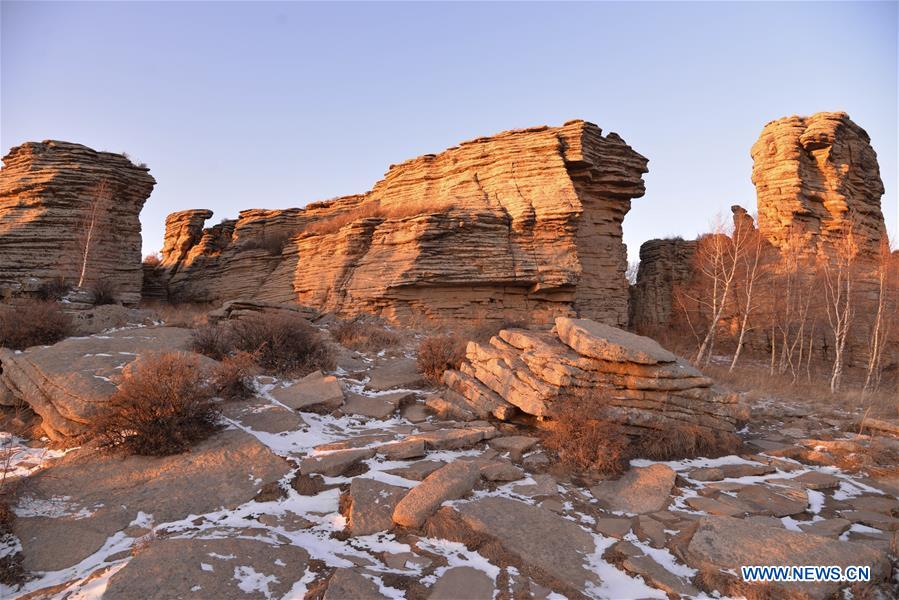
x,y
641,385
816,177
524,224
664,264
53,196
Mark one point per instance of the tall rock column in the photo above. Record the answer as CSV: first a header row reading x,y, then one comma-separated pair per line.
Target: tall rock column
x,y
66,211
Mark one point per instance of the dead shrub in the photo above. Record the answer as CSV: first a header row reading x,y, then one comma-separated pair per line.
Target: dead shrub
x,y
364,335
232,379
685,441
272,243
162,406
104,292
55,289
585,444
153,260
33,323
439,353
281,342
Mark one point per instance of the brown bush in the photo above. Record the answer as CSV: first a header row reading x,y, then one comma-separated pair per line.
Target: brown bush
x,y
685,441
281,342
273,243
55,289
364,335
162,406
232,379
153,260
104,292
585,444
33,323
180,314
438,353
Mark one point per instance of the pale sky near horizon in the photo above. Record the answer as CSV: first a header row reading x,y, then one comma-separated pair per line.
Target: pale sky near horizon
x,y
237,105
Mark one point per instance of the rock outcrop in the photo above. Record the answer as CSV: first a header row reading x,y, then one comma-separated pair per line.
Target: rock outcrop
x,y
522,225
816,177
664,264
633,380
53,196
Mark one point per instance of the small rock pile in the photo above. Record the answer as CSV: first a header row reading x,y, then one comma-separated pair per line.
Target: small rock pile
x,y
635,382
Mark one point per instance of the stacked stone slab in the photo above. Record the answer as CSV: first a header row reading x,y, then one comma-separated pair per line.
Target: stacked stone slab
x,y
632,379
46,194
664,265
525,224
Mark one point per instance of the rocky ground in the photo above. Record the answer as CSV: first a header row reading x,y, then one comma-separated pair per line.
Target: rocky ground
x,y
346,485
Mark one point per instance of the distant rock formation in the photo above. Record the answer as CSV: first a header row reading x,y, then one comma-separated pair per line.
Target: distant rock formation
x,y
642,386
522,225
816,177
664,264
50,195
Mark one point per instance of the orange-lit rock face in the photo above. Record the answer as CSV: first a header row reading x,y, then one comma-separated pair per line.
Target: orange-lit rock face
x,y
522,225
46,193
817,177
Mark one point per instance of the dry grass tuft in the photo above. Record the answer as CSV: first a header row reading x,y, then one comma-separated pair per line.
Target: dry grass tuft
x,y
686,441
272,243
162,406
232,379
281,342
439,353
583,444
33,323
104,292
364,335
180,314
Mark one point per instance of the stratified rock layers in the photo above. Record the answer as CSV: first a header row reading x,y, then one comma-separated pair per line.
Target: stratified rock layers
x,y
664,264
522,225
631,380
816,177
48,194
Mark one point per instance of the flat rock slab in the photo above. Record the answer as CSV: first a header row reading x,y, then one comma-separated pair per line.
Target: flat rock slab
x,y
552,548
779,502
616,527
376,407
604,342
68,383
335,463
66,512
397,373
828,527
463,582
635,562
349,584
209,568
454,439
453,481
264,416
815,480
417,471
370,506
515,445
314,392
640,490
729,543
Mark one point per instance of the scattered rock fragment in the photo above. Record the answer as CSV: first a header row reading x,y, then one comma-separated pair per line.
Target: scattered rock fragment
x,y
463,582
447,483
640,490
314,392
370,506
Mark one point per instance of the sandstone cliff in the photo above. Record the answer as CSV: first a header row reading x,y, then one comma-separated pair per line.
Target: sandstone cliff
x,y
48,192
522,225
664,264
816,177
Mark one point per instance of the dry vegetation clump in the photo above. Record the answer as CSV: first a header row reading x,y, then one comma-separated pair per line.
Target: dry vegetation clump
x,y
189,315
686,441
162,406
283,343
233,379
272,243
55,289
584,444
153,260
714,580
371,210
104,292
33,323
438,353
364,335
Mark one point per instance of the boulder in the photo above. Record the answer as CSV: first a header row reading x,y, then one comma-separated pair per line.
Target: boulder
x,y
640,490
335,463
463,582
349,584
314,392
450,482
69,383
370,505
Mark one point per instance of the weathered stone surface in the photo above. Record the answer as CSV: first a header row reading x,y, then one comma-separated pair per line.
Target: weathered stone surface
x,y
728,543
447,483
349,584
635,562
640,384
816,177
335,463
209,568
780,502
370,506
69,383
640,490
515,445
67,512
463,582
553,549
315,391
527,221
376,407
48,193
664,266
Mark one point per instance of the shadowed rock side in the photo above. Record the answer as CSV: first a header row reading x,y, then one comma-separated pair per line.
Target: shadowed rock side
x,y
641,384
524,224
47,193
663,265
816,177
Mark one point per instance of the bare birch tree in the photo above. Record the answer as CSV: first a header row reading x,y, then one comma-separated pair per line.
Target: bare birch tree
x,y
91,227
750,260
837,266
885,275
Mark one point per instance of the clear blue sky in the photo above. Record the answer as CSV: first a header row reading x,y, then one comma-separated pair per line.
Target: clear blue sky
x,y
241,105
